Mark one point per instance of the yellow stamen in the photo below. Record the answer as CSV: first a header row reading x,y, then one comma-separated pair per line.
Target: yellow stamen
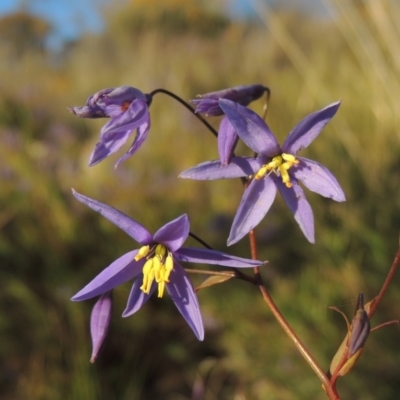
x,y
143,251
169,266
158,267
148,276
280,165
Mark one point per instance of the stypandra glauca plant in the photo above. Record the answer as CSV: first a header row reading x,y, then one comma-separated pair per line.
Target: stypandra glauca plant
x,y
156,261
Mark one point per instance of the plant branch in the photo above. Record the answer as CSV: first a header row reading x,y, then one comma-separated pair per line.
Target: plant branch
x,y
331,391
386,283
187,105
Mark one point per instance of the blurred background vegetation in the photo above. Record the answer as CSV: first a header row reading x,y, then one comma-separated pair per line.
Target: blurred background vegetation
x,y
51,245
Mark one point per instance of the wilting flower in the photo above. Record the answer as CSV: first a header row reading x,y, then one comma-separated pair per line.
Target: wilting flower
x,y
274,168
128,109
208,104
156,265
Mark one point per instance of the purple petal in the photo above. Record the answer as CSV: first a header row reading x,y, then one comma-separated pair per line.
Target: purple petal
x,y
251,128
209,107
100,322
296,200
182,294
318,179
120,271
256,201
140,138
134,116
243,94
207,256
128,225
137,298
308,129
104,149
87,112
227,141
174,233
211,170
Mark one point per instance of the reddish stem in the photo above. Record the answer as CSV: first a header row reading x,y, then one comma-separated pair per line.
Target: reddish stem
x,y
386,284
331,391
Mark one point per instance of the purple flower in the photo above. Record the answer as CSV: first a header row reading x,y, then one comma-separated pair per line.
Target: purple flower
x,y
275,168
156,265
128,109
208,104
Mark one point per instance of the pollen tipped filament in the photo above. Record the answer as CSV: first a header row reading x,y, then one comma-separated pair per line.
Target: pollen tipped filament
x,y
280,165
158,266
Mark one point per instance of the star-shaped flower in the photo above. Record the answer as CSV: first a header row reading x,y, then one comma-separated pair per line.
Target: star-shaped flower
x,y
274,168
156,264
208,104
128,109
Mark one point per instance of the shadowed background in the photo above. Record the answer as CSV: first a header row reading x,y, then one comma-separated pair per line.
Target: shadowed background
x,y
51,245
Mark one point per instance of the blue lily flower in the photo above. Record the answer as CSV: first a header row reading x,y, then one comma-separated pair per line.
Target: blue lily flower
x,y
156,265
274,168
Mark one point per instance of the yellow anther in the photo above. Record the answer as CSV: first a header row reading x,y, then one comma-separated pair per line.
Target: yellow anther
x,y
148,276
261,172
161,251
161,287
291,158
169,266
143,251
280,165
157,268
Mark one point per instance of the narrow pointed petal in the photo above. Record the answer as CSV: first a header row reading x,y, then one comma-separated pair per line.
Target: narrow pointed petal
x,y
120,271
104,149
251,128
183,295
318,179
206,256
137,298
174,233
308,129
135,115
100,322
211,170
140,138
296,200
256,201
128,225
227,141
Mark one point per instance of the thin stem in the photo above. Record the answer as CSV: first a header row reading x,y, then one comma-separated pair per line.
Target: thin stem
x,y
331,391
392,322
386,283
201,241
187,105
238,274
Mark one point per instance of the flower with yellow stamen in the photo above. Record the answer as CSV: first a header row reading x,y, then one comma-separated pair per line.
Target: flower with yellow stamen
x,y
156,265
274,168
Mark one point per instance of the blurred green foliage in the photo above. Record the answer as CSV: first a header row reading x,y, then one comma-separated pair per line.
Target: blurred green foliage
x,y
50,245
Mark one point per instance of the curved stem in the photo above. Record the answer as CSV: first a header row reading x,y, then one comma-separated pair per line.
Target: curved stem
x,y
331,391
187,105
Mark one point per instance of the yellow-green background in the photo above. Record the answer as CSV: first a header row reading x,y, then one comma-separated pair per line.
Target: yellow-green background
x,y
51,245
